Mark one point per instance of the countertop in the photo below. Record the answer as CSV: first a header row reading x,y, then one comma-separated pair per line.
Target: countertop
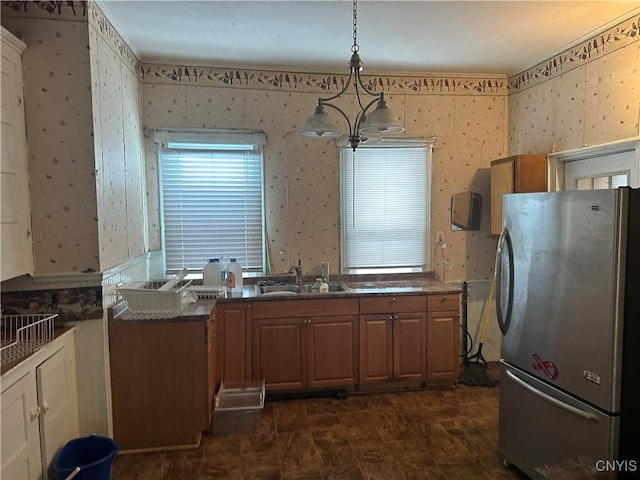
x,y
201,309
357,289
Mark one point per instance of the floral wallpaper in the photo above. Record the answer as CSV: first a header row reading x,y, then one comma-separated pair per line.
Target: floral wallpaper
x,y
595,100
60,137
587,94
596,47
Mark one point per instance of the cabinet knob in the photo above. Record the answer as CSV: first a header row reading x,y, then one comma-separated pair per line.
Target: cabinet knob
x,y
443,299
395,317
34,413
393,299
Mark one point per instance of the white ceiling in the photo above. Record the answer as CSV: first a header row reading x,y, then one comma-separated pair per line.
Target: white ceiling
x,y
497,37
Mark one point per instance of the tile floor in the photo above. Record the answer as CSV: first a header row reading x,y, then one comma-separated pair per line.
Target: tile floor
x,y
439,435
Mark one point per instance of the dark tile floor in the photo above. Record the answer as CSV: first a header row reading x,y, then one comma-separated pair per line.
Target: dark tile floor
x,y
439,435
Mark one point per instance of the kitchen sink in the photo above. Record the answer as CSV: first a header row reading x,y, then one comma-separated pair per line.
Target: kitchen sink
x,y
295,288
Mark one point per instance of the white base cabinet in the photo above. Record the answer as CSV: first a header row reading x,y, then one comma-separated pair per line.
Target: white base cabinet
x,y
39,410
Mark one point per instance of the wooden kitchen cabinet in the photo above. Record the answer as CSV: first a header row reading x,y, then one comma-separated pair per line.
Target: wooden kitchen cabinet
x,y
443,339
15,221
234,327
160,373
305,344
39,410
393,338
515,174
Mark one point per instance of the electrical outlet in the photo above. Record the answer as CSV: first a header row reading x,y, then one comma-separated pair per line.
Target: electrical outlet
x,y
440,237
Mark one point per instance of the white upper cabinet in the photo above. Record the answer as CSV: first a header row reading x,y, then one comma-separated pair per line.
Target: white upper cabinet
x,y
15,215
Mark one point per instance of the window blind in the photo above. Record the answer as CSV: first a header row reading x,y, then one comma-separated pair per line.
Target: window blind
x,y
386,207
212,199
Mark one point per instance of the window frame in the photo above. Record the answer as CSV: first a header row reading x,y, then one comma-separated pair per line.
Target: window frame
x,y
407,142
228,139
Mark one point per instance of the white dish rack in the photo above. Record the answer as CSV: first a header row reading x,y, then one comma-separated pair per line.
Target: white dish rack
x,y
146,297
23,335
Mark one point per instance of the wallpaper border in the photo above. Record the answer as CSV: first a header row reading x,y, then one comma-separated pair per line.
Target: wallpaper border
x,y
619,36
437,84
110,35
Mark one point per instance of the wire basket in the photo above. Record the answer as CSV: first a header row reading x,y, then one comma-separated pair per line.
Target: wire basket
x,y
22,335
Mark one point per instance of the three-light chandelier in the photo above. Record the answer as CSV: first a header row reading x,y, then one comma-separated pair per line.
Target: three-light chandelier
x,y
365,125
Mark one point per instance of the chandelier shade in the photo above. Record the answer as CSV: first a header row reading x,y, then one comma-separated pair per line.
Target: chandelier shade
x,y
380,121
366,124
320,125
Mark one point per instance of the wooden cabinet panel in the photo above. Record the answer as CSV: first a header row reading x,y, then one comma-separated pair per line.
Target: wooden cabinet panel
x,y
393,340
409,346
212,372
443,339
310,343
234,323
278,353
332,351
516,174
305,308
444,302
376,348
393,304
159,374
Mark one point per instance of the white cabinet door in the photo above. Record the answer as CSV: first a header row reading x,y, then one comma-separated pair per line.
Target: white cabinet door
x,y
20,431
58,406
15,211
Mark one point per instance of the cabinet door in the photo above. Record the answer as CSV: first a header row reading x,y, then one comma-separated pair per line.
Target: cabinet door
x,y
278,353
20,431
58,405
212,373
443,340
332,346
15,218
376,348
234,348
409,346
516,174
502,177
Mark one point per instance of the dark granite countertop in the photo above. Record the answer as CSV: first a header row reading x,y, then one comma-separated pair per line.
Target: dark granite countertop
x,y
200,310
356,289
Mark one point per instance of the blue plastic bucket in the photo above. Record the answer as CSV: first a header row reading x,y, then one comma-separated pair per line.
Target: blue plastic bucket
x,y
93,454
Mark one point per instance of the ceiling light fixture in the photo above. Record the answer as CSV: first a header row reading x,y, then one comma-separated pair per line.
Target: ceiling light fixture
x,y
365,125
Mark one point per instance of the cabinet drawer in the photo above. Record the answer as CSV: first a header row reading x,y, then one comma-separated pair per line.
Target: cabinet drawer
x,y
442,303
305,308
393,304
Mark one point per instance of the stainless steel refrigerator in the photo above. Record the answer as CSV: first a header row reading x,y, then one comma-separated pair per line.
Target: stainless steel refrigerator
x,y
568,306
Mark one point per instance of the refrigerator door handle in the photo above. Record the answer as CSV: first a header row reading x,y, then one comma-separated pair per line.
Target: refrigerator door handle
x,y
504,320
570,408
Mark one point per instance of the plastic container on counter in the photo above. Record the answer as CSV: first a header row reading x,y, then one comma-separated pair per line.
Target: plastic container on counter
x,y
212,273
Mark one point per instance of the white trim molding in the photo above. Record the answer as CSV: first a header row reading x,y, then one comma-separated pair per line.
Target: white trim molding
x,y
556,161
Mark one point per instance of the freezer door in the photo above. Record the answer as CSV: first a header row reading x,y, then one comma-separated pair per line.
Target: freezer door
x,y
548,434
557,291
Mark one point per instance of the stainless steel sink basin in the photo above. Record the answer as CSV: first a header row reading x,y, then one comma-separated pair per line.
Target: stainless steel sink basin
x,y
295,288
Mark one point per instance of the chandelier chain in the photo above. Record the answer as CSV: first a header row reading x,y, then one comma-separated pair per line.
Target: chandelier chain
x,y
355,46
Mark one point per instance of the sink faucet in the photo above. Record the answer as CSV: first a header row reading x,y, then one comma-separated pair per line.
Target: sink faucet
x,y
325,271
298,271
